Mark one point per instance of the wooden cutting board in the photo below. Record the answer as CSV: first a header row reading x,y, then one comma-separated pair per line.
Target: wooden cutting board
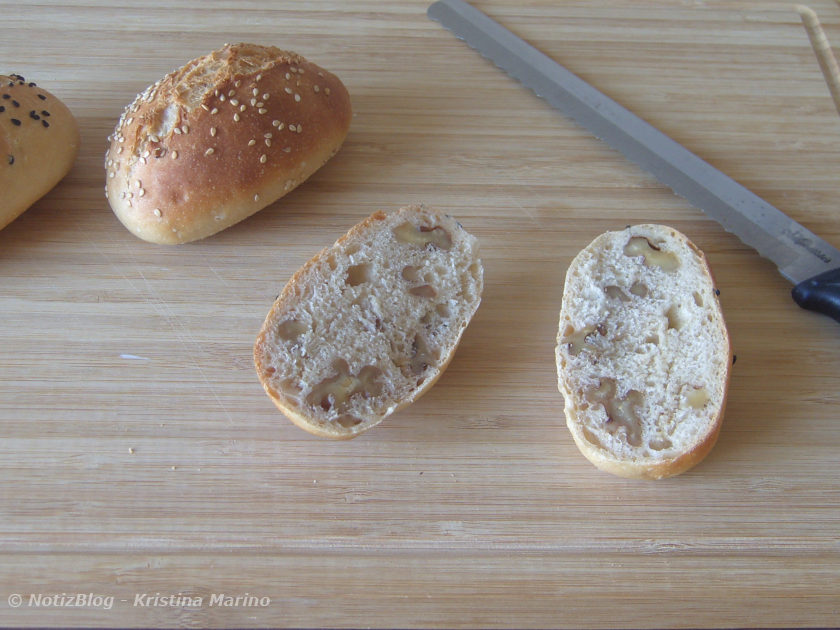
x,y
143,464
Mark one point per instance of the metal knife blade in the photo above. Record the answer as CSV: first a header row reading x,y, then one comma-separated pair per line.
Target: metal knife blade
x,y
799,254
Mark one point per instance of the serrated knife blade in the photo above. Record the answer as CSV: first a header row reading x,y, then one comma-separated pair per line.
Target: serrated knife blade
x,y
806,260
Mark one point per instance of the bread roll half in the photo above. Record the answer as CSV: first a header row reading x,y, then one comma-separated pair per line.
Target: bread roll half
x,y
221,138
643,354
39,140
369,324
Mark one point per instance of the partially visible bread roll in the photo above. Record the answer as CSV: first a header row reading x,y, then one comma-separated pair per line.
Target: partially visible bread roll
x,y
369,324
643,354
221,138
39,140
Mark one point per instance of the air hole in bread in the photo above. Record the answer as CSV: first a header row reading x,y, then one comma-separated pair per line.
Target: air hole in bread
x,y
575,340
698,299
331,263
675,317
410,273
358,274
652,255
616,293
347,420
653,339
421,355
424,291
443,310
660,444
290,329
639,289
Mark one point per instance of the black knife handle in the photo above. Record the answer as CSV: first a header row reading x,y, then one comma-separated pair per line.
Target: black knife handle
x,y
820,293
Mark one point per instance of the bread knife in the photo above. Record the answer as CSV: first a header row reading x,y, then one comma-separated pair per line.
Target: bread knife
x,y
811,264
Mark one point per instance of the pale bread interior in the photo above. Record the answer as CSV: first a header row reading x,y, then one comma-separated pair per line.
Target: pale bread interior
x,y
643,352
370,323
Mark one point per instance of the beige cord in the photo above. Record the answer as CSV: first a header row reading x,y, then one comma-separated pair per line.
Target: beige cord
x,y
822,49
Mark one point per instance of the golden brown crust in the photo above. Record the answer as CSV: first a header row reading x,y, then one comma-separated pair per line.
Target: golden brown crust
x,y
221,138
39,140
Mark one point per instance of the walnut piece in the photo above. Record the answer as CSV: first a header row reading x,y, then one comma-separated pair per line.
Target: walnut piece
x,y
335,392
409,233
653,256
575,339
621,413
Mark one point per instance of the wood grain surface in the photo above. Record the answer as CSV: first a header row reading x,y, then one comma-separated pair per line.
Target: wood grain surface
x,y
140,456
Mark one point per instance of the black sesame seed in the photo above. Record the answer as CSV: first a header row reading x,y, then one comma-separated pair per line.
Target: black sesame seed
x,y
11,159
15,103
42,97
45,123
2,109
44,112
16,122
734,358
34,116
7,96
717,291
32,84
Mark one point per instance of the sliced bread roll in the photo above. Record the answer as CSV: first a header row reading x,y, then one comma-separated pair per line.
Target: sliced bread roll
x,y
39,140
219,139
643,354
368,325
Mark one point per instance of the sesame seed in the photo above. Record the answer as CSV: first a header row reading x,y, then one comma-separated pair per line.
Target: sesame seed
x,y
231,92
215,110
258,77
42,97
174,155
253,102
143,160
234,102
300,128
237,84
255,91
185,129
267,135
252,142
287,149
265,96
16,122
267,142
177,130
297,98
262,110
146,153
141,192
256,197
205,108
138,183
263,158
260,104
129,121
157,212
242,108
288,76
154,138
111,174
276,123
316,88
327,91
209,151
292,128
236,117
288,90
212,131
222,97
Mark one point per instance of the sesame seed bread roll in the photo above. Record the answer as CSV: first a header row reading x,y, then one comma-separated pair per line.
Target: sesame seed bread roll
x,y
643,354
39,140
369,325
221,138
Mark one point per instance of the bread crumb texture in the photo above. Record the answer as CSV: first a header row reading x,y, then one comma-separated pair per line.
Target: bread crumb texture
x,y
220,138
643,354
369,324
